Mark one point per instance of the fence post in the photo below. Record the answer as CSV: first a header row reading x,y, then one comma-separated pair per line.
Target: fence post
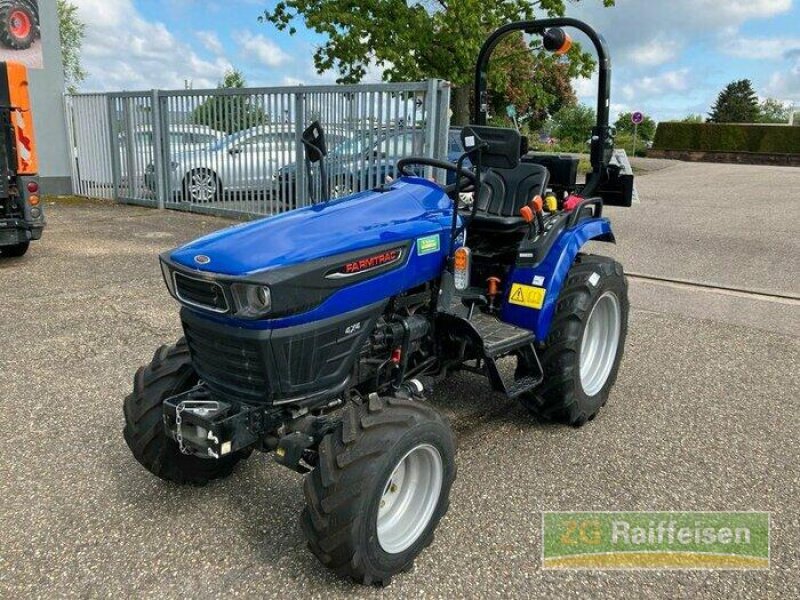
x,y
443,127
430,123
301,191
69,111
159,159
113,141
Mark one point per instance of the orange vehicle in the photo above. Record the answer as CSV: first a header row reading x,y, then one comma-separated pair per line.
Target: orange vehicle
x,y
21,211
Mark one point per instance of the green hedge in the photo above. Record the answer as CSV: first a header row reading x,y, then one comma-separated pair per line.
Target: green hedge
x,y
711,137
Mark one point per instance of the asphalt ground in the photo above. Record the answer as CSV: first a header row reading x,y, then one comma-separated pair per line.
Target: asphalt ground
x,y
703,417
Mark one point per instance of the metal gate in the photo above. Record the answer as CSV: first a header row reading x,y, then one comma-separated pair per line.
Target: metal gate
x,y
238,151
89,133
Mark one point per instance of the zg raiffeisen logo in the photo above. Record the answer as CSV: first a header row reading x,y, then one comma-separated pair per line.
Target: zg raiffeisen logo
x,y
648,540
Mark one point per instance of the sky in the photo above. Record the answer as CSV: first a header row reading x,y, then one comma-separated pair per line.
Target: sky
x,y
670,57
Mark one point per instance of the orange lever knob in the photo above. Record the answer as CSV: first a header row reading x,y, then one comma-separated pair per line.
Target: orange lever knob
x,y
526,212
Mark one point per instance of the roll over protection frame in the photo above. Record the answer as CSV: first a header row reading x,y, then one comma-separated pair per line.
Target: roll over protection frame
x,y
602,139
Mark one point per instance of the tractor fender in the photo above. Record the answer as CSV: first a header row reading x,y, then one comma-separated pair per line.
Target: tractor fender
x,y
532,292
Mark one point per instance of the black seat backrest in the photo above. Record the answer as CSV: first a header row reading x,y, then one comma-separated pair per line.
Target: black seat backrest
x,y
506,191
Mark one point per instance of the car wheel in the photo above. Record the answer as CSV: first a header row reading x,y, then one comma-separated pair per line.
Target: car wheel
x,y
202,186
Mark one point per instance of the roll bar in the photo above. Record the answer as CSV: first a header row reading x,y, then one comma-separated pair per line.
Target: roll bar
x,y
602,138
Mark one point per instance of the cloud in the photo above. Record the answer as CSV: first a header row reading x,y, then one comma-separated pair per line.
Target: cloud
x,y
760,48
785,84
125,51
656,52
210,41
650,42
263,50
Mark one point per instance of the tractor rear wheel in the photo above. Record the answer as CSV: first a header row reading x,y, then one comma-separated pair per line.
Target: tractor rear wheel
x,y
168,374
380,488
582,353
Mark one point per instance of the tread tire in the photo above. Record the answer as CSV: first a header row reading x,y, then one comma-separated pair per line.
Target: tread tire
x,y
561,397
343,492
169,373
9,39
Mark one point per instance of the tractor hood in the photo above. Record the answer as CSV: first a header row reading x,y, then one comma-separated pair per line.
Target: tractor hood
x,y
410,208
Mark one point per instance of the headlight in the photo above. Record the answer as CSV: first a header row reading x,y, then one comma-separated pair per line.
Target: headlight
x,y
253,301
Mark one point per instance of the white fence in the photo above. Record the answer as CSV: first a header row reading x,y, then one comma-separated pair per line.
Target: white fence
x,y
239,150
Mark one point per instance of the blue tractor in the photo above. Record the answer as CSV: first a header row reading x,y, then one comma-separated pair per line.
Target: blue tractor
x,y
315,335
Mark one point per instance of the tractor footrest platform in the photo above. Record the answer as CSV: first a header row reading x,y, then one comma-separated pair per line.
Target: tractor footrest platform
x,y
499,339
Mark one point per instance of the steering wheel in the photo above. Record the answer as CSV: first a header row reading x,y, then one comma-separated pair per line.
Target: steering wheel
x,y
465,174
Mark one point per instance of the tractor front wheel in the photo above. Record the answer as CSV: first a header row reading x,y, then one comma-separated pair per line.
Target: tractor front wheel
x,y
380,488
582,353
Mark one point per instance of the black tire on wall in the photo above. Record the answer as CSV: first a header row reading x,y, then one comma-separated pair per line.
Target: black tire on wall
x,y
18,25
576,384
168,374
350,496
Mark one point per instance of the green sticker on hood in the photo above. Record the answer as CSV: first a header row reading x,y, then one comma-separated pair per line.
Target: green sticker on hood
x,y
428,245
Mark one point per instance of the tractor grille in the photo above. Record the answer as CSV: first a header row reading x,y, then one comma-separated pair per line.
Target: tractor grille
x,y
233,367
201,293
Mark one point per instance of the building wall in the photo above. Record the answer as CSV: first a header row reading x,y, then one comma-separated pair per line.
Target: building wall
x,y
47,100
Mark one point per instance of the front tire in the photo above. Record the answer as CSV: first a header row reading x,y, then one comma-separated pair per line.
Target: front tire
x,y
168,374
16,250
583,351
380,489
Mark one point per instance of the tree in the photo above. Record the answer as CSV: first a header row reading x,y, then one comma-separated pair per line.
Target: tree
x,y
72,31
774,111
230,113
419,39
573,124
737,103
646,130
692,119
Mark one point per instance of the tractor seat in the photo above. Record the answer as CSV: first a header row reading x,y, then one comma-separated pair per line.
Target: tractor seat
x,y
504,192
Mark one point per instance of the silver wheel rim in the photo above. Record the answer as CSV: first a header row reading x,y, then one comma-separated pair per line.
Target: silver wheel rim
x,y
600,343
409,498
202,186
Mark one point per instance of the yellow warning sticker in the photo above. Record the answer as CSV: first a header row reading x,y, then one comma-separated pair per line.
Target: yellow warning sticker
x,y
527,296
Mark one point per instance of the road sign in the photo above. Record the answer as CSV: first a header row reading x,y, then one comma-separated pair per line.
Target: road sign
x,y
637,118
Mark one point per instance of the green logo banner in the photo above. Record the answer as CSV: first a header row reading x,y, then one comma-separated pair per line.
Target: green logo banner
x,y
428,245
656,540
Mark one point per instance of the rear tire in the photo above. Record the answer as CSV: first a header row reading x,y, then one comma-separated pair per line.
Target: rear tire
x,y
168,374
573,390
18,26
16,250
386,450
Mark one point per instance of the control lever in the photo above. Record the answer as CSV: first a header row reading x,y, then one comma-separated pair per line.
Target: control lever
x,y
537,206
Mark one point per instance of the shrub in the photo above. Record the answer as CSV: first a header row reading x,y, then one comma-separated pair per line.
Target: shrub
x,y
710,137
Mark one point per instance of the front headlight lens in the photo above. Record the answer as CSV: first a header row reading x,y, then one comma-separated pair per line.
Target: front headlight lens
x,y
253,301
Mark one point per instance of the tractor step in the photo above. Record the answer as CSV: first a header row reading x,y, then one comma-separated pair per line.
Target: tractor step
x,y
497,341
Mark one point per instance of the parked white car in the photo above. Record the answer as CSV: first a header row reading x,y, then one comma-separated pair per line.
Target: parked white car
x,y
242,162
